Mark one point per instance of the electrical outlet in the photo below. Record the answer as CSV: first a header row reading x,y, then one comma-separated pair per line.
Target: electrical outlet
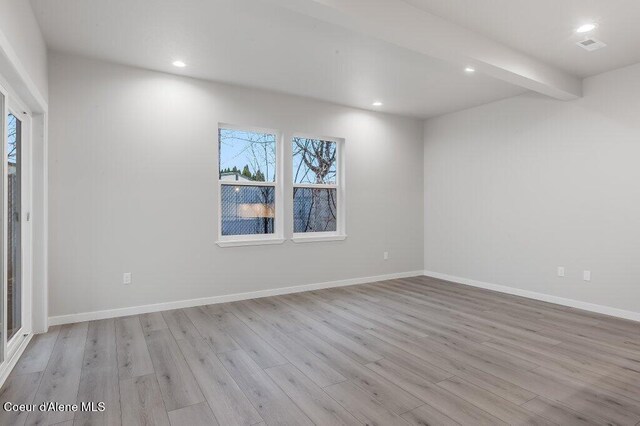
x,y
586,275
126,278
385,255
561,271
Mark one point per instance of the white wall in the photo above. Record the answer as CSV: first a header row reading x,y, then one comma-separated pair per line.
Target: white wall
x,y
518,187
19,27
133,189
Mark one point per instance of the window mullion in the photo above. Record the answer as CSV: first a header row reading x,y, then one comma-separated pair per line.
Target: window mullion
x,y
246,183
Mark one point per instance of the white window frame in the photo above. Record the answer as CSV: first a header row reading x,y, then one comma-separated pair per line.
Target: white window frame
x,y
340,233
277,237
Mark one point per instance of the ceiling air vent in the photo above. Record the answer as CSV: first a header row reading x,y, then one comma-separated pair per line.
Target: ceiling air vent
x,y
591,44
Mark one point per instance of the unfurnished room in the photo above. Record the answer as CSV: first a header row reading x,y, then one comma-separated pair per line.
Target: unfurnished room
x,y
319,212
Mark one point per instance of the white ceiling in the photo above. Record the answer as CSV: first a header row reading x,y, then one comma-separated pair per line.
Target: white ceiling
x,y
544,29
254,43
292,46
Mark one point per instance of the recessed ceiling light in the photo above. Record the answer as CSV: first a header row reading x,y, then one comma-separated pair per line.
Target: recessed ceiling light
x,y
377,103
469,69
586,28
179,64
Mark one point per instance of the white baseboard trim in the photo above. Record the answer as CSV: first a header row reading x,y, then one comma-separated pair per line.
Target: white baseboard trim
x,y
592,307
135,310
6,369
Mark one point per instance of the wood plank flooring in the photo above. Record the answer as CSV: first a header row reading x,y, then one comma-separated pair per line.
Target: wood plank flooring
x,y
414,351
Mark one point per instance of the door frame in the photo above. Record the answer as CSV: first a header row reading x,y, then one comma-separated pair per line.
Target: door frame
x,y
16,107
16,80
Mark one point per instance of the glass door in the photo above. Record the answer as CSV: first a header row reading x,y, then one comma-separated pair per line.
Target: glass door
x,y
3,138
14,225
15,241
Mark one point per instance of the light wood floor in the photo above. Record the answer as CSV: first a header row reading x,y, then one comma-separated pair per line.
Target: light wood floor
x,y
413,351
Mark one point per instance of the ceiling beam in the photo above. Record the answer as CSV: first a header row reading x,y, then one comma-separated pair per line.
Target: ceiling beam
x,y
407,26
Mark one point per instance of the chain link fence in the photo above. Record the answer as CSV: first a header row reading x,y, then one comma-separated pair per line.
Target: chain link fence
x,y
248,210
314,209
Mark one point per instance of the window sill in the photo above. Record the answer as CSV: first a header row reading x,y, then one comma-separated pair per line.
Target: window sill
x,y
254,242
318,238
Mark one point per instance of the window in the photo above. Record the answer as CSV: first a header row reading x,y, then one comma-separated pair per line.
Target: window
x,y
317,189
249,193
